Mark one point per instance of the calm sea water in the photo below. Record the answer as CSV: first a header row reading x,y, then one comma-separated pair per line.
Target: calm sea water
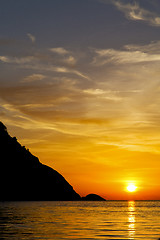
x,y
80,220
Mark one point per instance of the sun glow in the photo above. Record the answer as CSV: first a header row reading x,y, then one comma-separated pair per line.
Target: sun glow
x,y
131,188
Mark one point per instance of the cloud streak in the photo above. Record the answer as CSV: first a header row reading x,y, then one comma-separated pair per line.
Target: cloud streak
x,y
131,54
48,62
134,12
120,102
17,60
67,56
33,78
31,37
59,50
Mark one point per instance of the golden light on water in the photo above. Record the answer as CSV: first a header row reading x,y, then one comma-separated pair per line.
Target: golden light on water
x,y
131,219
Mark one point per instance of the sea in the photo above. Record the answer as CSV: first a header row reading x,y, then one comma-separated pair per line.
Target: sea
x,y
80,220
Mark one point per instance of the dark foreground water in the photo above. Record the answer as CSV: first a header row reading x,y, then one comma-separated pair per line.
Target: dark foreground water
x,y
80,220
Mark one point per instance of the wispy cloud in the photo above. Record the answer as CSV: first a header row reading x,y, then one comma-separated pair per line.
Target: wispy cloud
x,y
105,95
33,78
17,60
151,48
120,102
130,54
5,59
56,69
135,12
66,56
48,63
59,50
31,37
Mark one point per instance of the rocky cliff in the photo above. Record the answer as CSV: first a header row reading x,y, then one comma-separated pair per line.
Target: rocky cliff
x,y
24,177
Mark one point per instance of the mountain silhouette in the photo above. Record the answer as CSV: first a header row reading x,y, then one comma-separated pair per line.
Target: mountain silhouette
x,y
24,178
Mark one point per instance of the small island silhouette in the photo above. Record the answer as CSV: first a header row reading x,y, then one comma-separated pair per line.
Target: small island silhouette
x,y
24,178
93,197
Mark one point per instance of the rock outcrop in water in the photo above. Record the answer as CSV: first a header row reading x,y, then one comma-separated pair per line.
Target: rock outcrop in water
x,y
93,197
24,178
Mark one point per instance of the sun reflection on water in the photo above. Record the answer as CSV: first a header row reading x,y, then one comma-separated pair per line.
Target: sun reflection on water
x,y
131,219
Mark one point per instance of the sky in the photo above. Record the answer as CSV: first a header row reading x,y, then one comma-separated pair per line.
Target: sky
x,y
80,87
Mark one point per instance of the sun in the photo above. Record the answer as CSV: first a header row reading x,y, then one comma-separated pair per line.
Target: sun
x,y
131,188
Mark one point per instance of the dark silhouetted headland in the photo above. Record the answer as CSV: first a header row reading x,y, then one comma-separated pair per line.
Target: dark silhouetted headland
x,y
93,197
23,177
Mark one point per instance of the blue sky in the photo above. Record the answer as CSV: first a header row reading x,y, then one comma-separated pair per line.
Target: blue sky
x,y
73,22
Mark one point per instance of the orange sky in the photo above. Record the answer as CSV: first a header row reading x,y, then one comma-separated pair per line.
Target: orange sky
x,y
91,166
80,87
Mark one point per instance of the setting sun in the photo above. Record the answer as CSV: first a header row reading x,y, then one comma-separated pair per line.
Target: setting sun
x,y
131,188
